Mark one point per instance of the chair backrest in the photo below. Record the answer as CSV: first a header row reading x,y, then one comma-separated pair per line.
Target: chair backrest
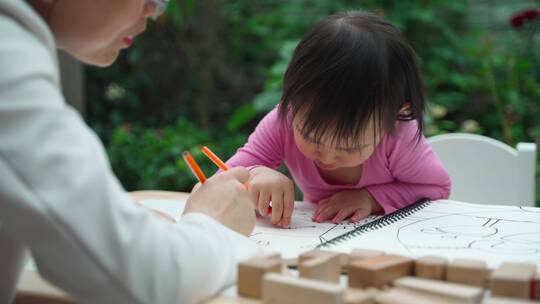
x,y
484,170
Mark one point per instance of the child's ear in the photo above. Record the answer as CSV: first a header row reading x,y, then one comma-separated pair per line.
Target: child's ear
x,y
406,108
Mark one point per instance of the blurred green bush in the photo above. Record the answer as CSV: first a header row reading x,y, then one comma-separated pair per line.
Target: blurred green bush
x,y
208,70
151,158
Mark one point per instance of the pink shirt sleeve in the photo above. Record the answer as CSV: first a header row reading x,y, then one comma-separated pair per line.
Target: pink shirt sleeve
x,y
265,146
417,171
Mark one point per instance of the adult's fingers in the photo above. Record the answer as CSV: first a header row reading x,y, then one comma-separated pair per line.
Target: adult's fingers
x,y
239,173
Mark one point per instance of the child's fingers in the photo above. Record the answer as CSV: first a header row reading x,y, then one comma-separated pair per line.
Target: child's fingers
x,y
326,213
324,202
277,206
254,195
359,214
342,215
264,202
320,207
288,207
317,213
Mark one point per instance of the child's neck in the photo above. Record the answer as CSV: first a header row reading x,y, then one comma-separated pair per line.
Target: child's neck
x,y
342,176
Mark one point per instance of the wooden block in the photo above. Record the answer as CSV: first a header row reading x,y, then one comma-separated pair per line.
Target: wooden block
x,y
356,255
450,291
395,295
312,254
251,272
220,299
282,289
317,253
378,271
431,267
468,272
362,254
360,296
536,288
501,300
406,296
325,267
513,280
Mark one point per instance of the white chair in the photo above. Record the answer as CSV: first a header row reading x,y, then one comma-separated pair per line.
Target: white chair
x,y
484,170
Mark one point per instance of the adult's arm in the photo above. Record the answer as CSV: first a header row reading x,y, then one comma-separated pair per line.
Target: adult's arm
x,y
60,198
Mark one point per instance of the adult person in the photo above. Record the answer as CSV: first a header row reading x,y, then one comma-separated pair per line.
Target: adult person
x,y
59,200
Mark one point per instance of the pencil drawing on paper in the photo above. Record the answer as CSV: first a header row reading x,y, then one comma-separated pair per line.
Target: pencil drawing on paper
x,y
473,229
304,234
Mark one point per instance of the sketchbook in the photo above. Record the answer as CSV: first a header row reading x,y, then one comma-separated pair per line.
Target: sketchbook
x,y
451,229
444,228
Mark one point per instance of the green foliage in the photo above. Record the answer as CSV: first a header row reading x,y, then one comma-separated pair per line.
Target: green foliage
x,y
271,92
151,158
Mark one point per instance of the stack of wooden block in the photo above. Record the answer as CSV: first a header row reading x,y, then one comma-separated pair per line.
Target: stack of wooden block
x,y
374,277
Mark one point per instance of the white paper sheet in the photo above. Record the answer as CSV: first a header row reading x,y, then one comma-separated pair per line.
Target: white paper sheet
x,y
303,235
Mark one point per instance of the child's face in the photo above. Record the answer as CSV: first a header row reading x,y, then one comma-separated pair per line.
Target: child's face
x,y
328,157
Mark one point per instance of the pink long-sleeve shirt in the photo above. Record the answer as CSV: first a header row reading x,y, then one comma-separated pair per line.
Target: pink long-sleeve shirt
x,y
400,171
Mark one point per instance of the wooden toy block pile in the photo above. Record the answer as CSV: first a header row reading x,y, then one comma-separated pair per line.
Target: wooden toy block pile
x,y
375,277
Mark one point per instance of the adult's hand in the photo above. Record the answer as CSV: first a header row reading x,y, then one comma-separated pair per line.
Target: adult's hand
x,y
225,198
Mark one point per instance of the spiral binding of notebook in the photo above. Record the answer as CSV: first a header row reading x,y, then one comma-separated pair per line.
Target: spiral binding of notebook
x,y
379,223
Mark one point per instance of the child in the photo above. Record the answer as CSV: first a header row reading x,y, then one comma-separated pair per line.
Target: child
x,y
348,127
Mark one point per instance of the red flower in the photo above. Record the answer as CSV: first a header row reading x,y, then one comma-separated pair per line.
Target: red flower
x,y
126,128
530,14
517,20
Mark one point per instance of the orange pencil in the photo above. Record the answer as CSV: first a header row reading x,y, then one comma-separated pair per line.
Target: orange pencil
x,y
192,164
216,160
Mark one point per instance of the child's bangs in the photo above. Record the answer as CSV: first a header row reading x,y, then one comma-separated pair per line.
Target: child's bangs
x,y
336,124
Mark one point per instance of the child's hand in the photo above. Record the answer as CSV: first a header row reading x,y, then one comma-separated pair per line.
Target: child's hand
x,y
267,185
353,204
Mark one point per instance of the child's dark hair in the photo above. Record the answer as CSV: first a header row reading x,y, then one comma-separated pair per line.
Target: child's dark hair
x,y
349,68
